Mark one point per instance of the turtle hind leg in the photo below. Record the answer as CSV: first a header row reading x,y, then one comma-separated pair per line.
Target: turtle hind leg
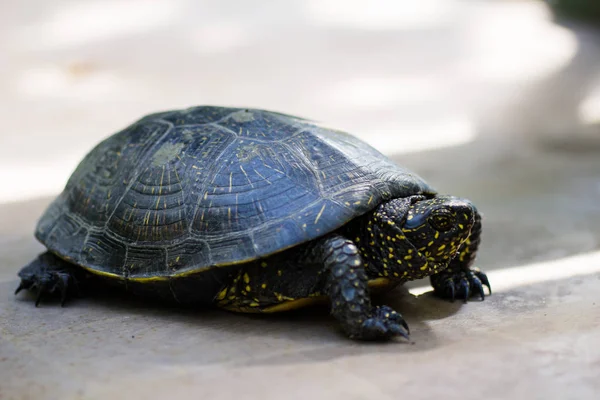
x,y
49,275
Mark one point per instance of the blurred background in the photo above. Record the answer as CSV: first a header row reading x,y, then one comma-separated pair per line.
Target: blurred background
x,y
497,101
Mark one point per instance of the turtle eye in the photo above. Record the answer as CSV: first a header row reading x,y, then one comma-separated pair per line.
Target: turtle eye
x,y
442,220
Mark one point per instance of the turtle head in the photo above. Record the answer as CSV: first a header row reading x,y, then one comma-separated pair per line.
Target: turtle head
x,y
414,237
437,227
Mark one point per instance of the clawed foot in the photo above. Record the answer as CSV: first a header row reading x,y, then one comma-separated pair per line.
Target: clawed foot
x,y
383,324
49,283
47,278
460,284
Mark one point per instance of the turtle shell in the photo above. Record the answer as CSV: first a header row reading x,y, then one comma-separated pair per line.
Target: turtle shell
x,y
183,191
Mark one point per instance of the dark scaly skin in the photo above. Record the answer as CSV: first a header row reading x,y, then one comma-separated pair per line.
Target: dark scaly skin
x,y
396,241
332,267
48,275
460,279
347,287
401,240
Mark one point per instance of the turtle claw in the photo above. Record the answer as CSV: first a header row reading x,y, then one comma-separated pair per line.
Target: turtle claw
x,y
450,284
483,279
398,331
449,290
46,282
38,297
384,324
465,288
22,286
478,287
63,284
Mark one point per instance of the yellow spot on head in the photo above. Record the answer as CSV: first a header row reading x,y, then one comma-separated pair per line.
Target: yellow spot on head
x,y
246,278
263,286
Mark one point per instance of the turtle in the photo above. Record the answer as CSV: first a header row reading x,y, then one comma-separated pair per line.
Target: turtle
x,y
253,211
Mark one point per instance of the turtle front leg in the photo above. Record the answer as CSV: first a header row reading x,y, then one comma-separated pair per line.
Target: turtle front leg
x,y
346,284
460,280
48,275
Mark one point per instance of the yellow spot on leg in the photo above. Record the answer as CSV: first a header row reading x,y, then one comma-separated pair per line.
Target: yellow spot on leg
x,y
222,294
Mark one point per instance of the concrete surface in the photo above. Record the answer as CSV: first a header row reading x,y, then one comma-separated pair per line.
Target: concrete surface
x,y
493,101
